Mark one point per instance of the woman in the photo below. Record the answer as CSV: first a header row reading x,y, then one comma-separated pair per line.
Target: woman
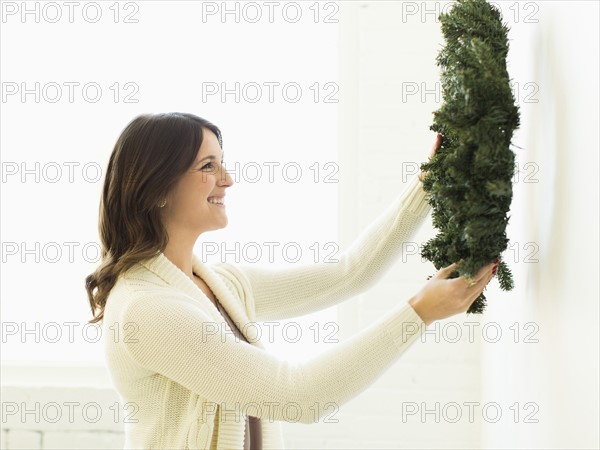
x,y
179,355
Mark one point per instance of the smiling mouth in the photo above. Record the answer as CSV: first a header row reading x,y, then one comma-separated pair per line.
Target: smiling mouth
x,y
218,201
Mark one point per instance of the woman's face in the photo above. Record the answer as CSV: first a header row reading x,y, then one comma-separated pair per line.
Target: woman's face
x,y
188,208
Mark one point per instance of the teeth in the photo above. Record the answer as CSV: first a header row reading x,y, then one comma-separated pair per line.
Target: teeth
x,y
218,201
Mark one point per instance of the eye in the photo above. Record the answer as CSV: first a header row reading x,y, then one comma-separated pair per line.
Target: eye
x,y
210,165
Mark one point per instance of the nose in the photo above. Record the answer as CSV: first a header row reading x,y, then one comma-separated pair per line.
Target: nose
x,y
225,179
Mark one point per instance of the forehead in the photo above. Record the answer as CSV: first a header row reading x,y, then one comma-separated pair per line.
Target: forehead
x,y
210,145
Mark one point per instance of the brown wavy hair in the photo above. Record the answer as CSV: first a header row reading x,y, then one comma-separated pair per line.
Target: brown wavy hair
x,y
150,155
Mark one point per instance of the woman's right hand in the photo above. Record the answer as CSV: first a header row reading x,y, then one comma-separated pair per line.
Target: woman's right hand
x,y
441,297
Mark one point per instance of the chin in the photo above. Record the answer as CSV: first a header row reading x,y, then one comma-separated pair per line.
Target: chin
x,y
220,225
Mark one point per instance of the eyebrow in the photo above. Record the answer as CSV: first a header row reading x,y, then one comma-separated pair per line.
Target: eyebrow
x,y
211,157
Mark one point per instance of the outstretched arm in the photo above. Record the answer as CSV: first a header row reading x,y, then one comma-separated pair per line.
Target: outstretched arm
x,y
178,340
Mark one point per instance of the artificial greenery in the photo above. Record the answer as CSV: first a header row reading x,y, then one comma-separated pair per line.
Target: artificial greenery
x,y
469,179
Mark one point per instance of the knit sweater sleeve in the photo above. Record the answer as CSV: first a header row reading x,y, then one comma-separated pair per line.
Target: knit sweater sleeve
x,y
282,293
174,337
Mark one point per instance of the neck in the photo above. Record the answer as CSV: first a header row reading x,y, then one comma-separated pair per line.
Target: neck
x,y
179,252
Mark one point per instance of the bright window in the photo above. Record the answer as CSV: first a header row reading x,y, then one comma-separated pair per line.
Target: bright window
x,y
55,152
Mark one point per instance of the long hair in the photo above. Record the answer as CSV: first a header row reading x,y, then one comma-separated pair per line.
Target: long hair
x,y
150,155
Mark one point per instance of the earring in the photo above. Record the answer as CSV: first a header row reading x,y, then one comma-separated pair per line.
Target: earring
x,y
162,205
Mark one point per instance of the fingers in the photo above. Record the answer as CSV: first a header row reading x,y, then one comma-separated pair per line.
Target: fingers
x,y
485,271
484,275
484,280
437,144
445,272
475,290
478,288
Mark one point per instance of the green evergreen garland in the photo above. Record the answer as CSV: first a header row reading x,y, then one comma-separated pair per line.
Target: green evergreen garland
x,y
469,179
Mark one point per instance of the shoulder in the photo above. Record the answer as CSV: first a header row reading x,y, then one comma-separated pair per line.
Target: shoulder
x,y
138,281
139,289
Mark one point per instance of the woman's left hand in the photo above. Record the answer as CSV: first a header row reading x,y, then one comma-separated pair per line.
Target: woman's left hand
x,y
435,148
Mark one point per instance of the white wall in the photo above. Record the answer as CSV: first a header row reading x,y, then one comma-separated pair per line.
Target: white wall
x,y
560,214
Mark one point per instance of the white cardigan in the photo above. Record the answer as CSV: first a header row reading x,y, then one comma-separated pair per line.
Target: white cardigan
x,y
188,384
